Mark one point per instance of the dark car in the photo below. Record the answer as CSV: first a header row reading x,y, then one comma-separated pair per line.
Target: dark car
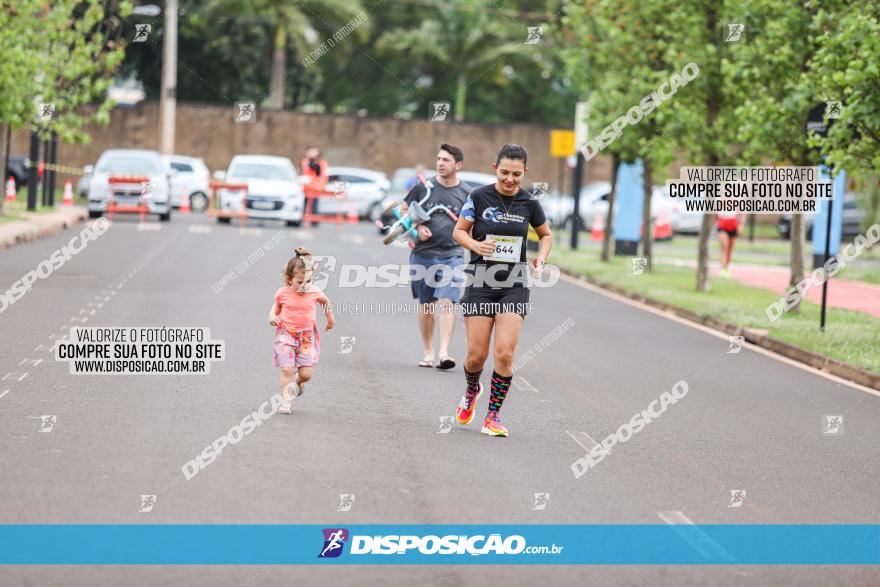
x,y
852,220
17,168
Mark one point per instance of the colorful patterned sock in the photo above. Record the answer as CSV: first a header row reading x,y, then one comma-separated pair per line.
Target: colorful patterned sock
x,y
500,385
473,382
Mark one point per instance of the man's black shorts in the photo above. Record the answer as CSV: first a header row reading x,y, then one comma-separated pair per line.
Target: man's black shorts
x,y
487,301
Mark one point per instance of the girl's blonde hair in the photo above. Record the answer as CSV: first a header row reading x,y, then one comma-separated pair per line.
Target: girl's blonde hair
x,y
301,262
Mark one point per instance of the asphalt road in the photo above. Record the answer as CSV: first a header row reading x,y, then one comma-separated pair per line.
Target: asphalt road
x,y
368,423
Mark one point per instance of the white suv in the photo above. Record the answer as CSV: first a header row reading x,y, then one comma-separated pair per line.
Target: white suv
x,y
274,191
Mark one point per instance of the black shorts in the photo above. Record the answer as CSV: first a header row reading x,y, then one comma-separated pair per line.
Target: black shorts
x,y
731,233
486,301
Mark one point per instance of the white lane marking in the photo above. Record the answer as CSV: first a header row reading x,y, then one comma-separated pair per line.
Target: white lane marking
x,y
695,536
82,312
72,319
13,373
588,437
33,362
143,226
199,229
92,313
118,287
84,319
5,391
716,333
251,231
101,305
39,346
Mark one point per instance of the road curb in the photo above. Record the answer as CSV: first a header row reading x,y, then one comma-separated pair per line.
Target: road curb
x,y
841,369
40,225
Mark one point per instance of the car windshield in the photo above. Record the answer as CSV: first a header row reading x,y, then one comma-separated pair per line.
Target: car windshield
x,y
130,164
261,171
401,180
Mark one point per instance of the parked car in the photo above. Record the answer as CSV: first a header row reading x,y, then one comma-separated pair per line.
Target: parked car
x,y
82,186
683,222
399,182
189,178
557,207
363,188
852,220
594,203
274,190
18,168
476,179
130,163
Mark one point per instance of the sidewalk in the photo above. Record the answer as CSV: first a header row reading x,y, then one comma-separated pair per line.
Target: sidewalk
x,y
849,295
35,226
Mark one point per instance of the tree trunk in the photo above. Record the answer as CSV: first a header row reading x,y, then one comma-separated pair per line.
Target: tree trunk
x,y
648,230
5,154
279,64
796,251
796,255
460,97
609,219
713,107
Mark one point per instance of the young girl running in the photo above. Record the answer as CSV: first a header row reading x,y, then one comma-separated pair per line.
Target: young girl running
x,y
297,339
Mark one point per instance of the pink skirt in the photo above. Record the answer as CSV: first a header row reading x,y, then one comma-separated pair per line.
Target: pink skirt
x,y
300,349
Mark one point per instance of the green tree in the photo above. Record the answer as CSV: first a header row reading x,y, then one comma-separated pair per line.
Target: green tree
x,y
773,94
846,67
703,118
62,54
623,49
464,37
295,25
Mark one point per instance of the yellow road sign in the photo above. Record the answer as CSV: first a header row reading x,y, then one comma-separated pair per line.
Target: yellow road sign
x,y
561,143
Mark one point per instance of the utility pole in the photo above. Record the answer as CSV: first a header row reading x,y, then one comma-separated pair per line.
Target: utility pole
x,y
168,98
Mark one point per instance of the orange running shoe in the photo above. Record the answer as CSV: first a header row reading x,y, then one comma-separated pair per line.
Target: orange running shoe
x,y
465,412
492,425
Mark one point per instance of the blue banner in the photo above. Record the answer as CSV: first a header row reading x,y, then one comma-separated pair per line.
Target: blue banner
x,y
820,222
255,544
630,196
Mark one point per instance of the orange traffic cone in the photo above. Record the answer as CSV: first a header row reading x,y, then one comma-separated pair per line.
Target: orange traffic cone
x,y
68,194
184,204
10,189
352,217
597,231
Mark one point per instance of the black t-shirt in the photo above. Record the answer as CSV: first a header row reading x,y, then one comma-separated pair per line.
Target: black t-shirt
x,y
441,245
507,219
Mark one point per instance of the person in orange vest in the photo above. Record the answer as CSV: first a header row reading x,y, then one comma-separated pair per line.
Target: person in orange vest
x,y
315,168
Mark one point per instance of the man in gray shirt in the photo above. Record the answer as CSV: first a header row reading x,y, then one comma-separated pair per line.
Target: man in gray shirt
x,y
435,249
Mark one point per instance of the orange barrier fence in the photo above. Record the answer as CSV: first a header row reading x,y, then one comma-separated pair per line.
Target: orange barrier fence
x,y
113,207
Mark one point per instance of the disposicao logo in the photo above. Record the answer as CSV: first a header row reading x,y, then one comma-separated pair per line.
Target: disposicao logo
x,y
334,540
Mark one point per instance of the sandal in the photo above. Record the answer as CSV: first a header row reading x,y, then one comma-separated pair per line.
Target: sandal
x,y
446,363
426,363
